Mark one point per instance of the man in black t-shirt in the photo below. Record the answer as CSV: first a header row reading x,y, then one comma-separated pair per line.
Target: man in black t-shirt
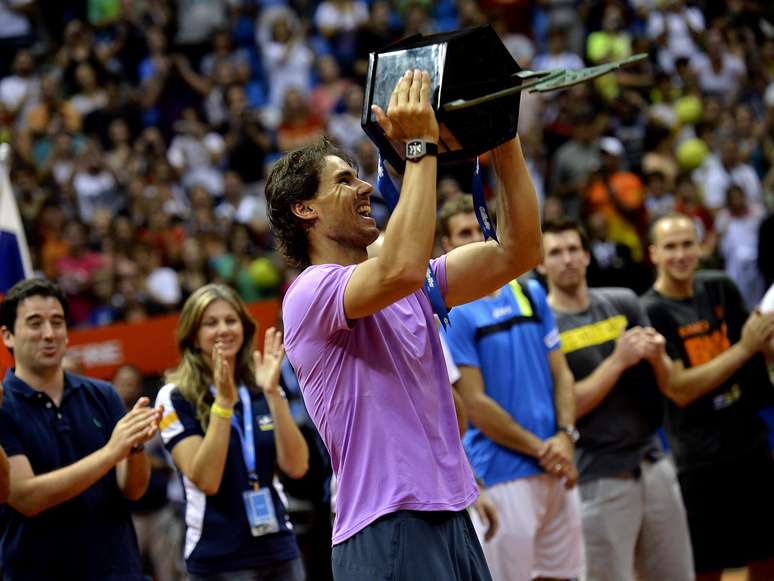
x,y
718,382
634,521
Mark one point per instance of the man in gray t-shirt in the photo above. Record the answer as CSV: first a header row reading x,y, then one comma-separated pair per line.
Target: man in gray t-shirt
x,y
633,515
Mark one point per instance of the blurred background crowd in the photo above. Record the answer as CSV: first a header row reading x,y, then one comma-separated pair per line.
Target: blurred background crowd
x,y
142,130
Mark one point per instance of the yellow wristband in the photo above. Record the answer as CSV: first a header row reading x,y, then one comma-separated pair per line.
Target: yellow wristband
x,y
221,411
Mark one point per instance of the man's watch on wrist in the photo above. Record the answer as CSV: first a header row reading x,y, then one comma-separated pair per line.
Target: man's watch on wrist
x,y
571,432
416,149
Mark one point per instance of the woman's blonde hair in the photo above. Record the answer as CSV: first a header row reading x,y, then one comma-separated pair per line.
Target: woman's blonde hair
x,y
193,376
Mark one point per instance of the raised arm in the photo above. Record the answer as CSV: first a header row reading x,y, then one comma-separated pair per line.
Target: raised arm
x,y
292,451
478,269
203,459
689,384
133,472
400,268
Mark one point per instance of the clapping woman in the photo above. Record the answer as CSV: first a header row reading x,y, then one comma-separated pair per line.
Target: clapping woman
x,y
228,428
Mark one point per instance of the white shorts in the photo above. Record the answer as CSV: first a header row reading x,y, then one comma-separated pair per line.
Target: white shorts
x,y
540,532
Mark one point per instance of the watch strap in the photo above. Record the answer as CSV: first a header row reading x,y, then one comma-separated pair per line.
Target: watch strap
x,y
415,146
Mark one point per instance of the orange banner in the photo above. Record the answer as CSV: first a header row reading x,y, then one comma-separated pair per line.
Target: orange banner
x,y
149,345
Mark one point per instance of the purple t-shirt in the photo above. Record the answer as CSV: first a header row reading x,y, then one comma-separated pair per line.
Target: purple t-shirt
x,y
378,391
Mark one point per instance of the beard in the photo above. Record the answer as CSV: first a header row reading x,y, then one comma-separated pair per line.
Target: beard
x,y
354,238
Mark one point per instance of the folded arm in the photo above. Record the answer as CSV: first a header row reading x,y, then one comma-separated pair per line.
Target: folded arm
x,y
32,494
688,384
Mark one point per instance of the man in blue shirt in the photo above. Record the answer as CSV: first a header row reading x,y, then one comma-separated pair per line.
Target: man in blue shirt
x,y
518,394
75,454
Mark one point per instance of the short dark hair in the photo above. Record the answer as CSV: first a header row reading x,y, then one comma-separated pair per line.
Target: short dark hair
x,y
24,289
296,178
457,204
560,225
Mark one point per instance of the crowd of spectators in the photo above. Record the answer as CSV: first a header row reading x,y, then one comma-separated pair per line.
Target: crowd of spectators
x,y
142,131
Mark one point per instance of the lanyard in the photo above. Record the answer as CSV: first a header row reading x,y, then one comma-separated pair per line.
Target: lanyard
x,y
431,288
246,437
482,214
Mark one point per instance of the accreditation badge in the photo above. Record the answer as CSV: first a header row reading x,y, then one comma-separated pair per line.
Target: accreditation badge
x,y
260,512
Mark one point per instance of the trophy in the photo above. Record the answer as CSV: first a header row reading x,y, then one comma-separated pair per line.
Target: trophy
x,y
475,86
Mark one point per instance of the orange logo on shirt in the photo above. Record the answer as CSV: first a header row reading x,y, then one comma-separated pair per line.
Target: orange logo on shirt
x,y
703,346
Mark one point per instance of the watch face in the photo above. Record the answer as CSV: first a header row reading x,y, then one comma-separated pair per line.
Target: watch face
x,y
415,149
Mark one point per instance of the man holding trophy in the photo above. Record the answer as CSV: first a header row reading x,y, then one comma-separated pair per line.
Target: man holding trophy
x,y
362,338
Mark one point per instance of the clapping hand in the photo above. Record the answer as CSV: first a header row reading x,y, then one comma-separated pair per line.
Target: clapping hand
x,y
138,426
654,344
633,346
758,330
269,364
223,375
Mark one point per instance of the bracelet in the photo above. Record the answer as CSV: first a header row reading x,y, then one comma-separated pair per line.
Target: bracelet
x,y
221,412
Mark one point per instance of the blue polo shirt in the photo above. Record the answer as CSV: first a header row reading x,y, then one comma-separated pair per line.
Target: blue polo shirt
x,y
218,537
508,338
90,536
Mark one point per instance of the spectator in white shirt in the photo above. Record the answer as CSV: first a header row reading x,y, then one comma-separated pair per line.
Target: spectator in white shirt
x,y
724,169
675,28
557,57
15,30
737,225
287,59
19,91
719,72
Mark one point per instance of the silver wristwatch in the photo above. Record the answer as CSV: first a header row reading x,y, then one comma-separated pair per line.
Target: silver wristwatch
x,y
571,431
416,149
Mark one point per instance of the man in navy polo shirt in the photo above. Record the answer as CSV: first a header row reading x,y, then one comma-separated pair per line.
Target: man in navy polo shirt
x,y
75,454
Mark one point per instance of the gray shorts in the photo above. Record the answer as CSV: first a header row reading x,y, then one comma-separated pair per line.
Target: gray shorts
x,y
636,523
412,545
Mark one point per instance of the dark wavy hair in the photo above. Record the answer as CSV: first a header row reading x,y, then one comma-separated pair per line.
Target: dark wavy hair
x,y
296,178
24,289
